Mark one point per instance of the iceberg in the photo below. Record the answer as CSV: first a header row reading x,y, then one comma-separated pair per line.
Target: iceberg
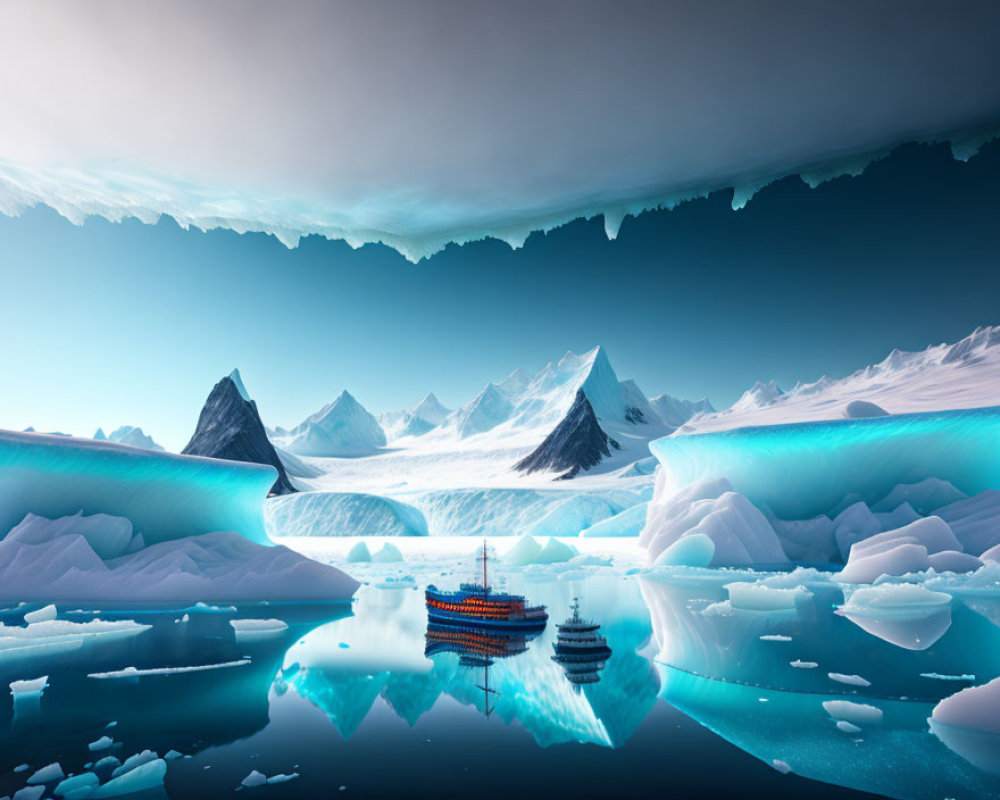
x,y
968,722
40,560
740,533
164,496
341,514
803,470
908,616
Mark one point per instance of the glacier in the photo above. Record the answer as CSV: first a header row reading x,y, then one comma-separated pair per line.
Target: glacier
x,y
341,514
803,470
164,496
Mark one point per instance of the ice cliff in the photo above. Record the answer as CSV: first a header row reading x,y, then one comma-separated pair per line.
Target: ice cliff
x,y
82,520
886,495
165,496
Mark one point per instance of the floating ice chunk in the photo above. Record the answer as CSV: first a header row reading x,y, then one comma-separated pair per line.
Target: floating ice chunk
x,y
142,778
627,523
133,672
848,711
33,686
850,680
954,561
41,615
255,778
58,636
925,496
775,637
556,552
73,786
847,727
968,722
937,676
282,777
254,630
526,551
781,766
691,550
759,597
106,762
135,760
906,615
170,755
104,743
47,774
359,554
389,554
798,664
22,768
590,560
29,793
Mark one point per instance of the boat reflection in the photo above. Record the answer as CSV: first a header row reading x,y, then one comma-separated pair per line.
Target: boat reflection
x,y
476,648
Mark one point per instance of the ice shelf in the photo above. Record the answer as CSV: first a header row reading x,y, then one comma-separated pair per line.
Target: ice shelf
x,y
803,470
165,496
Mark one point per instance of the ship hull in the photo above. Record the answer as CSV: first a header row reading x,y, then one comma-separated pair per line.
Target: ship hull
x,y
442,617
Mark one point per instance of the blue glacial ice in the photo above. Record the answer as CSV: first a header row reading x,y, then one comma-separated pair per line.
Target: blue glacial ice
x,y
341,514
799,471
164,496
94,521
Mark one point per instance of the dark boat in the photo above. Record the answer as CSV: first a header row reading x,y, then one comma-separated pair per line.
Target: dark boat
x,y
477,605
579,649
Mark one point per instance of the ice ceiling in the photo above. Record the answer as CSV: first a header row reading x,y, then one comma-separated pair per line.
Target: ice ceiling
x,y
419,124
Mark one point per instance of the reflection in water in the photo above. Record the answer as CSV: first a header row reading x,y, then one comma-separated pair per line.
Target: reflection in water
x,y
771,667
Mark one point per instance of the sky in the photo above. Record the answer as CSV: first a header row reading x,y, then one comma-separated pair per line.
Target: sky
x,y
132,323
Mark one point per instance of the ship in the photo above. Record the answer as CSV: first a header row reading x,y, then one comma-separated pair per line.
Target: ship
x,y
579,648
479,606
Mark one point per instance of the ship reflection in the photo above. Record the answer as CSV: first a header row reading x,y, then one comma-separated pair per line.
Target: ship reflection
x,y
580,650
476,649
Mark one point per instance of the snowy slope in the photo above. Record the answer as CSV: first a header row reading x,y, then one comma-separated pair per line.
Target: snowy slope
x,y
422,418
341,428
961,375
675,412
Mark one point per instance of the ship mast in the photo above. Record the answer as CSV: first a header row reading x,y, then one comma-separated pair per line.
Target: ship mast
x,y
486,586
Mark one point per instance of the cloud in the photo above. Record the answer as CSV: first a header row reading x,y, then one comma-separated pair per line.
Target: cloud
x,y
419,124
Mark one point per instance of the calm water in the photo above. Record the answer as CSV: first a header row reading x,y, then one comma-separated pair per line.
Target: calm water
x,y
691,702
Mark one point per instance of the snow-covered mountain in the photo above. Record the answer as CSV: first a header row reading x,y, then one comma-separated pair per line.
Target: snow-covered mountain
x,y
577,443
674,411
229,427
965,374
424,417
130,435
341,428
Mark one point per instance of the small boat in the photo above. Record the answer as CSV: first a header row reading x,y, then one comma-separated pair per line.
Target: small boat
x,y
579,649
477,605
